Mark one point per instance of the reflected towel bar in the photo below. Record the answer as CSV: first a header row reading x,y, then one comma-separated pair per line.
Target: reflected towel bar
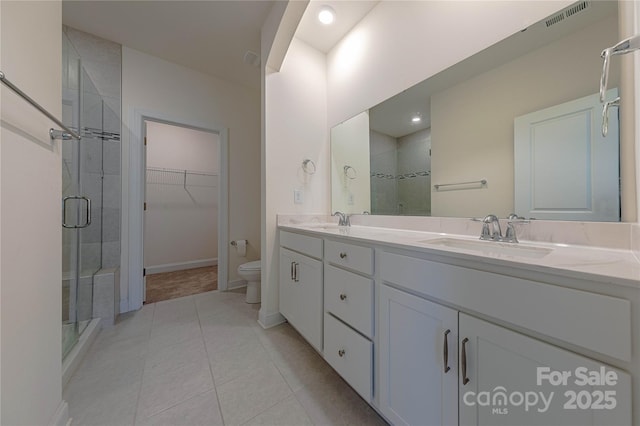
x,y
54,134
481,182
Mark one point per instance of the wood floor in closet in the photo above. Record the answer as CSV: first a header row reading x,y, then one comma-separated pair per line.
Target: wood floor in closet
x,y
170,285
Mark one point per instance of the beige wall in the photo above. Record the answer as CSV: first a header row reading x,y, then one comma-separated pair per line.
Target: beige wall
x,y
295,129
30,250
472,122
181,222
183,95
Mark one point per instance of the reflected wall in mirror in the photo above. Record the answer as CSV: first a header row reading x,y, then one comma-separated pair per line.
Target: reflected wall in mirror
x,y
458,126
350,185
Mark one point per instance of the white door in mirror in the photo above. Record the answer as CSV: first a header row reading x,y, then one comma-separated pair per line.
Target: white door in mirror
x,y
564,168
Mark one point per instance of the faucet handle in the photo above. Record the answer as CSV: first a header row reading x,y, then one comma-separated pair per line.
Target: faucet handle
x,y
510,234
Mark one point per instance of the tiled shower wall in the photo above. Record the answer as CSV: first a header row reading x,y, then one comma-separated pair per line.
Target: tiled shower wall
x,y
102,63
384,167
400,173
414,158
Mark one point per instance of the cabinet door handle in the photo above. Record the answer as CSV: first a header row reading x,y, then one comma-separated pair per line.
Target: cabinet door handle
x,y
292,271
343,296
446,352
465,379
341,353
295,271
343,255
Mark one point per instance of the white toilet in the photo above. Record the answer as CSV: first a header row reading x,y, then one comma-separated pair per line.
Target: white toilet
x,y
250,272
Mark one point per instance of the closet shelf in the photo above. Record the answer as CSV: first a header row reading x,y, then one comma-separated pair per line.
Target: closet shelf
x,y
181,177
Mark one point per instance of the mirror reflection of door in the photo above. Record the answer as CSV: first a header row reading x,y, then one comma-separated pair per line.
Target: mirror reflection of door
x,y
181,211
565,169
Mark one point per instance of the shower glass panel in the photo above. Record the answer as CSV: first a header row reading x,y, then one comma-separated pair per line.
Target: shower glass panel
x,y
82,196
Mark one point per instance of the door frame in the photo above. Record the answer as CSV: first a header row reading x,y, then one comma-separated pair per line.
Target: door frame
x,y
135,237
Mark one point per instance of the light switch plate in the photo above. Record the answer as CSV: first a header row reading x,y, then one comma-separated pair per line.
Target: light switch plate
x,y
298,196
351,199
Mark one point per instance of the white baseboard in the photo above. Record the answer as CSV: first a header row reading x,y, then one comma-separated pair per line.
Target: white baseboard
x,y
124,306
236,284
61,416
270,320
74,358
179,266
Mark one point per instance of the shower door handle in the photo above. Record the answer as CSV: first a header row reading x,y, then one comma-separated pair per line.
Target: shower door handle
x,y
64,211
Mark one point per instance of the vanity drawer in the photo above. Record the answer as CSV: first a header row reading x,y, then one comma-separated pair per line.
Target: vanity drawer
x,y
311,246
349,297
350,354
349,256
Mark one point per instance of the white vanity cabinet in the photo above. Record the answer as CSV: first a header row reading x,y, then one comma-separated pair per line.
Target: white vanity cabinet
x,y
349,313
505,364
488,362
418,350
301,285
429,340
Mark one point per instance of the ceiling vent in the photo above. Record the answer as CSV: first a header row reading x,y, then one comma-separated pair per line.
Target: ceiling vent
x,y
559,17
577,8
252,59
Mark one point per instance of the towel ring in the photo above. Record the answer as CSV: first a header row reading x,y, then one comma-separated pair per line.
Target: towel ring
x,y
350,172
305,166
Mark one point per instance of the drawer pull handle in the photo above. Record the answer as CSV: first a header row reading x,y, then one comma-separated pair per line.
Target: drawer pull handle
x,y
446,352
465,379
343,296
341,353
343,255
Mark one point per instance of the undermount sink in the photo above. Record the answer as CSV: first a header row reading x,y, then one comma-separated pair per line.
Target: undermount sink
x,y
492,247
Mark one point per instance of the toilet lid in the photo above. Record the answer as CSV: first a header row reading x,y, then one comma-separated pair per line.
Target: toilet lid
x,y
251,266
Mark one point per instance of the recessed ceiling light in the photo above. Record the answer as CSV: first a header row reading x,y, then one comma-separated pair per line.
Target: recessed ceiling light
x,y
416,119
327,15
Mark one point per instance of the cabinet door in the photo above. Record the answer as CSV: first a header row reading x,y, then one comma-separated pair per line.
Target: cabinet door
x,y
502,371
301,294
288,287
415,389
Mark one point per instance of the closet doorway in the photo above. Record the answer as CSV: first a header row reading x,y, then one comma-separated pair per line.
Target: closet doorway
x,y
182,188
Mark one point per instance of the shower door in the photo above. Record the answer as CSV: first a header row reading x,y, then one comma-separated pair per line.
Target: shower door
x,y
82,174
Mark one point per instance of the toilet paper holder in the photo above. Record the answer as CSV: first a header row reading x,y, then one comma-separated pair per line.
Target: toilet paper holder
x,y
235,242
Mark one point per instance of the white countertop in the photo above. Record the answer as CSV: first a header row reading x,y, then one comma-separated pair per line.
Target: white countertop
x,y
604,265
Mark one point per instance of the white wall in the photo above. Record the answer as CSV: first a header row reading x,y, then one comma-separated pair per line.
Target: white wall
x,y
30,218
350,147
400,43
181,223
295,129
155,86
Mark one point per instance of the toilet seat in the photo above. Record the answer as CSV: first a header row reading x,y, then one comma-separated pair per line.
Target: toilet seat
x,y
250,266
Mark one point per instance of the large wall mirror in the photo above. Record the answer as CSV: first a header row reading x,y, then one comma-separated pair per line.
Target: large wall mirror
x,y
514,128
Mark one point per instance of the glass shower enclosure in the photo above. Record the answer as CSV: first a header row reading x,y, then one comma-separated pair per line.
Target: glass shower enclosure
x,y
82,193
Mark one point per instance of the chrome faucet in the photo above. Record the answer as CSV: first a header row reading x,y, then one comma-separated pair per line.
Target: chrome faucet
x,y
491,228
343,219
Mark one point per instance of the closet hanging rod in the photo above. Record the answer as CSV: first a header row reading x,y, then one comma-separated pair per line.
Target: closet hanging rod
x,y
180,171
54,134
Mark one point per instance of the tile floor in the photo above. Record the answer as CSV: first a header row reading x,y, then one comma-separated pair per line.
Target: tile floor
x,y
204,360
